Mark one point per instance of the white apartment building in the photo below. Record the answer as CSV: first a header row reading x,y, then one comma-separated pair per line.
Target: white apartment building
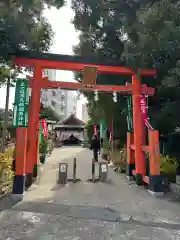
x,y
63,102
71,103
50,73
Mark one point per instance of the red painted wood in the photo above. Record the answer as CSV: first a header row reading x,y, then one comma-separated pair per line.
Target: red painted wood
x,y
54,64
123,89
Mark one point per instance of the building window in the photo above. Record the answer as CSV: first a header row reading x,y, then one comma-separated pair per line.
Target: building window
x,y
53,93
53,103
62,93
62,98
62,108
44,96
45,72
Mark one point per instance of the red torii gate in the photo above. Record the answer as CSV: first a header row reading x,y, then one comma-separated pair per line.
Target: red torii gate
x,y
26,154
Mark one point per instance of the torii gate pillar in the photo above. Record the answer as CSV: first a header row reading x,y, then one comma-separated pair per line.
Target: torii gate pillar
x,y
33,119
139,134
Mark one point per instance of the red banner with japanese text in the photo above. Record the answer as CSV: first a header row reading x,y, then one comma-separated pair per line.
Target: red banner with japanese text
x,y
111,131
143,108
44,127
94,129
144,112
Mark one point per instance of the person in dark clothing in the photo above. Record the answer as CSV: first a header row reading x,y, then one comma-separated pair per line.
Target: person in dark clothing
x,y
102,141
95,146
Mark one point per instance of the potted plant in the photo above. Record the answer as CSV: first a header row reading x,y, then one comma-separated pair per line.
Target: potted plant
x,y
42,150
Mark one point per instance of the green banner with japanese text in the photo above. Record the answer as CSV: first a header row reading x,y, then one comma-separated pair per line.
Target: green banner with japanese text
x,y
20,111
129,114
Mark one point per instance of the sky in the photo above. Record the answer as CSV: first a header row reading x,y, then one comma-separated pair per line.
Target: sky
x,y
65,38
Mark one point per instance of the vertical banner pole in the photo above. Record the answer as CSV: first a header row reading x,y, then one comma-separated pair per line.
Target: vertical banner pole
x,y
112,132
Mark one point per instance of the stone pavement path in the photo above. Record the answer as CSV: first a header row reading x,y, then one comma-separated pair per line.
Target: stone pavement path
x,y
89,211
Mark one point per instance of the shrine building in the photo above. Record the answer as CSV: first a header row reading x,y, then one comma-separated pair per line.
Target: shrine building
x,y
70,131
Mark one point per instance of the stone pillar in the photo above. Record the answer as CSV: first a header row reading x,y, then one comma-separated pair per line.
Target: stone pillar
x,y
63,168
103,171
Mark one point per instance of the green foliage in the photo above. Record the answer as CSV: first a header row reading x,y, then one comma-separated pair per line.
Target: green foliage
x,y
50,145
88,126
50,114
43,146
105,154
140,33
103,42
106,145
22,26
168,167
119,159
6,172
8,72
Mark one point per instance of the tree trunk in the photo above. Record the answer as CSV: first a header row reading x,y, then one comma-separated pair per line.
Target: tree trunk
x,y
6,113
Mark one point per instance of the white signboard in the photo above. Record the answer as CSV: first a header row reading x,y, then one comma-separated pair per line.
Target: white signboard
x,y
103,167
64,135
63,167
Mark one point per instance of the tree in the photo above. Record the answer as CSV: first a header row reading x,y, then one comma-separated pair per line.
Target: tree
x,y
21,27
7,77
159,37
100,39
50,114
140,33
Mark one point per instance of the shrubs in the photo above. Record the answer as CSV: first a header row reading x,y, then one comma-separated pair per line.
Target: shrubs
x,y
105,154
168,164
43,150
168,167
43,146
6,172
50,146
119,160
105,151
118,157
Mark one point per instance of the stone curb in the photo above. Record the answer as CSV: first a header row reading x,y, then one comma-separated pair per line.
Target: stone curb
x,y
100,213
38,179
7,201
175,190
146,219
